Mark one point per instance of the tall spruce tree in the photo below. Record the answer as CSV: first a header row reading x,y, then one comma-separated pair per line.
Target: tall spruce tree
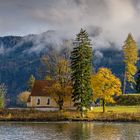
x,y
81,67
130,51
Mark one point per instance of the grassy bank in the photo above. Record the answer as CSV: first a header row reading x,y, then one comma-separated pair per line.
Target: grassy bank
x,y
111,114
118,109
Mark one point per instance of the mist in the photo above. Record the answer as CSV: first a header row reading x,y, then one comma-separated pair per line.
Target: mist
x,y
107,21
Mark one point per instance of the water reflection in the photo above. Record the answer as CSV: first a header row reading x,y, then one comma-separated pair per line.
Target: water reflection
x,y
70,131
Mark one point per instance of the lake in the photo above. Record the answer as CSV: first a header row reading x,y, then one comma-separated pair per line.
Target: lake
x,y
70,131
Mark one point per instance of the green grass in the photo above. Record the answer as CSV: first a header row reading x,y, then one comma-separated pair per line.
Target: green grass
x,y
118,109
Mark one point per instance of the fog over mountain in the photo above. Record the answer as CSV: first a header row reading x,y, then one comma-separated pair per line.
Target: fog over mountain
x,y
105,20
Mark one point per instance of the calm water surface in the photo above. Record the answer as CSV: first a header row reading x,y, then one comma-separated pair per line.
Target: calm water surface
x,y
70,131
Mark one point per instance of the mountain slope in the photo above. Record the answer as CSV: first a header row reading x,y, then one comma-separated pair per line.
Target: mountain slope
x,y
21,56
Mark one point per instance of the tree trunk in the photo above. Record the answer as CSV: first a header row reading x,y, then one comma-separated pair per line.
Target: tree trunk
x,y
60,107
103,105
124,83
81,113
60,104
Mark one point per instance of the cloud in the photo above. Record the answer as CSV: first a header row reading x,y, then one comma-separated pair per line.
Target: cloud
x,y
98,55
94,31
105,20
45,41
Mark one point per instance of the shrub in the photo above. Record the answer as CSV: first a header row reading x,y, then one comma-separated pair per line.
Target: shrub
x,y
22,98
128,99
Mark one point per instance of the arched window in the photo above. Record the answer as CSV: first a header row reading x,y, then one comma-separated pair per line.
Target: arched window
x,y
48,101
38,101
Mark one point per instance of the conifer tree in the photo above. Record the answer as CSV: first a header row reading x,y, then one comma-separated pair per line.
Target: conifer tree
x,y
3,91
31,82
81,67
130,51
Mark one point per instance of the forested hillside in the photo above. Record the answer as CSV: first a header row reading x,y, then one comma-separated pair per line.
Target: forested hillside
x,y
21,56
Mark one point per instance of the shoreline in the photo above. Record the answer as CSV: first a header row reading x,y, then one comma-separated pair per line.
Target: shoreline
x,y
16,115
69,121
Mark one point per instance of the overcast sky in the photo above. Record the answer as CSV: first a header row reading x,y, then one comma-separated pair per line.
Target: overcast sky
x,y
108,19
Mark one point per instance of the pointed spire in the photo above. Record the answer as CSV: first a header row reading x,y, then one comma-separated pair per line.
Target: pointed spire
x,y
129,38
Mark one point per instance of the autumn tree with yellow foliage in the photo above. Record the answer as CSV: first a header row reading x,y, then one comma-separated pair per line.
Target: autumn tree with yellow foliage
x,y
23,97
60,93
57,68
105,85
130,52
61,89
63,72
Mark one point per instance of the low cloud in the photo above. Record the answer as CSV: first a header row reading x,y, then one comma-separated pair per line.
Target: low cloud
x,y
105,20
98,55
